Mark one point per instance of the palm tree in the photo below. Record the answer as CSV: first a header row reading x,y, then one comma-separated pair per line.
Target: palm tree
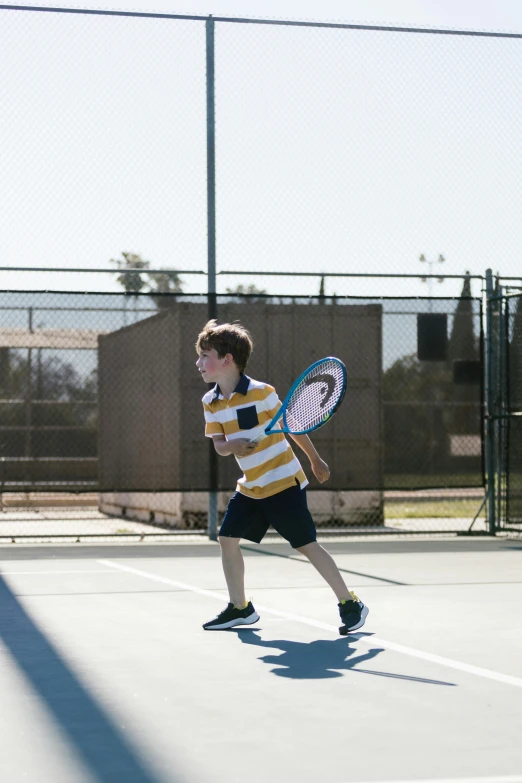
x,y
137,281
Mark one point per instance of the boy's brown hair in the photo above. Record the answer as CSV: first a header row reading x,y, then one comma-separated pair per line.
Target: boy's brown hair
x,y
226,338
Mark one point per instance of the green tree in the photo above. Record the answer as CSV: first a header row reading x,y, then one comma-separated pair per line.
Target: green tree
x,y
423,406
135,282
463,343
52,379
413,394
244,293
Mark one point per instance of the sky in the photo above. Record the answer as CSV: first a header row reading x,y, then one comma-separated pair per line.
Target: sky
x,y
336,150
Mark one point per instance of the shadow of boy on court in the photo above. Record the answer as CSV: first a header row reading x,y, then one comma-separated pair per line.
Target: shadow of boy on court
x,y
319,659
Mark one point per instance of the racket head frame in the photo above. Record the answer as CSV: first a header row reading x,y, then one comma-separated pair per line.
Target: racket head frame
x,y
282,411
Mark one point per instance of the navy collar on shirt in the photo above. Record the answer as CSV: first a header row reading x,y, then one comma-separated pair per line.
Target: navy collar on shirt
x,y
241,388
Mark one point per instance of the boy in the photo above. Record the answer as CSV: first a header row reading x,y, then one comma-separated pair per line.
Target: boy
x,y
272,490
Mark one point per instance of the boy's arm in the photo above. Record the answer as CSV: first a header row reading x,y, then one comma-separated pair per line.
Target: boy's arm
x,y
214,429
239,446
319,467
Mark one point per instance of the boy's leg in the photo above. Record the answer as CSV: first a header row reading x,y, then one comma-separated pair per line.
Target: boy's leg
x,y
289,514
291,518
240,521
238,611
325,564
352,611
234,568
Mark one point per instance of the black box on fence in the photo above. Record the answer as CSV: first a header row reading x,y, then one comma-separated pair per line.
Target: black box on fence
x,y
432,337
467,371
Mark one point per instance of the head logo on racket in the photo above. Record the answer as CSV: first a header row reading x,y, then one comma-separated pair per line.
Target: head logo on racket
x,y
328,390
307,406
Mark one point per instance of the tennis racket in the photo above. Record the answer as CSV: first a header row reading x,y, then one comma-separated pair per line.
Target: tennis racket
x,y
312,400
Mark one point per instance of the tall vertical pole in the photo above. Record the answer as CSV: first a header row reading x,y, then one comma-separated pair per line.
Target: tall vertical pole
x,y
29,446
499,420
211,253
490,403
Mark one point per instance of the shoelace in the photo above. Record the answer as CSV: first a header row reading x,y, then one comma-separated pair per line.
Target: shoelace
x,y
223,612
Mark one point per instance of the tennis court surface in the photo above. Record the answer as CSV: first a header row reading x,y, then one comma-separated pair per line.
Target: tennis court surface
x,y
107,675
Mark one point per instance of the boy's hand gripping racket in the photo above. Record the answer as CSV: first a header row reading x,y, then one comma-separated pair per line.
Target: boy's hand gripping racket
x,y
312,400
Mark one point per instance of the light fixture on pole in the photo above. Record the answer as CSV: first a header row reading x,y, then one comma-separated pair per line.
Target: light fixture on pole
x,y
431,264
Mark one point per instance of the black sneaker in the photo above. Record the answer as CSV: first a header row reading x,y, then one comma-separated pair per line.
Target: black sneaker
x,y
353,614
231,616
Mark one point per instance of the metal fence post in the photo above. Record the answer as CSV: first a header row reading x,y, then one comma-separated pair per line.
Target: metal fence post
x,y
489,394
211,251
500,406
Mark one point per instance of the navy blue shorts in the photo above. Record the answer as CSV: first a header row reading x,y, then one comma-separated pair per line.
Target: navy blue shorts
x,y
286,511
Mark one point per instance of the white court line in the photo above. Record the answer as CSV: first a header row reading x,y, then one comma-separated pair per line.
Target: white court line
x,y
374,641
52,573
494,779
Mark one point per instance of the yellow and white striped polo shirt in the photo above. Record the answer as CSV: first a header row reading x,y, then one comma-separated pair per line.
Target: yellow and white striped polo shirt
x,y
272,466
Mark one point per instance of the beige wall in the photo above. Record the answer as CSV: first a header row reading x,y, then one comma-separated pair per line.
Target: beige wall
x,y
188,510
151,434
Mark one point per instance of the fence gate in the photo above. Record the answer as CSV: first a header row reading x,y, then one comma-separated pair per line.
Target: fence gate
x,y
505,411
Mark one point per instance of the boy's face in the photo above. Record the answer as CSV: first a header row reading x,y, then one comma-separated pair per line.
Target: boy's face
x,y
211,367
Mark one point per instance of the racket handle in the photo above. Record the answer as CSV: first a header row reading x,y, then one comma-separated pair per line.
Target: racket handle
x,y
270,430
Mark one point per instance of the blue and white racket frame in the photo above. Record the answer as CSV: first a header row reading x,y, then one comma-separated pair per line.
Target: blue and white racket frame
x,y
281,413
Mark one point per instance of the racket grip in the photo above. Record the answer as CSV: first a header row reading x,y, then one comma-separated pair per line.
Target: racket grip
x,y
259,438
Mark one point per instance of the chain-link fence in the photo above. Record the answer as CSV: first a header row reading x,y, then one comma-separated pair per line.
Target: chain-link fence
x,y
100,393
289,166
337,149
362,144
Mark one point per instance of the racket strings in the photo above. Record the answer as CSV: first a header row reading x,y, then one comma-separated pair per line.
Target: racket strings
x,y
316,397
